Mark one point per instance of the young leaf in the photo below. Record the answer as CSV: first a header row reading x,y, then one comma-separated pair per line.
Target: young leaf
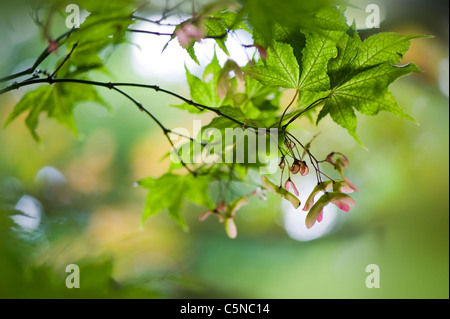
x,y
161,195
204,91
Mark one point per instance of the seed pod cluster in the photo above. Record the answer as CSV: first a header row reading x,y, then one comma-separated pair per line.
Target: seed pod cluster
x,y
304,170
295,167
299,167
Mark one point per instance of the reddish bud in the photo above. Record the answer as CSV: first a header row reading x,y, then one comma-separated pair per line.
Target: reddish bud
x,y
52,46
262,51
188,33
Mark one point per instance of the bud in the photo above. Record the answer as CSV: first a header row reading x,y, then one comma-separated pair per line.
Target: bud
x,y
261,50
52,46
188,33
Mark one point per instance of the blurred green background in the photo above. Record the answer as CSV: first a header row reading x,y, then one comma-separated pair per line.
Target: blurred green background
x,y
87,211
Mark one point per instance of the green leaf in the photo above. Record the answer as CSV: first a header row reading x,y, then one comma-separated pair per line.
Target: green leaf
x,y
331,19
385,47
169,191
204,91
319,49
361,74
197,190
105,27
221,122
280,69
160,194
191,52
263,14
57,100
294,37
215,27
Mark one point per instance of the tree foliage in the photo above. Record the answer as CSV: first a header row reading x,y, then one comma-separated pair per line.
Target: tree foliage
x,y
314,52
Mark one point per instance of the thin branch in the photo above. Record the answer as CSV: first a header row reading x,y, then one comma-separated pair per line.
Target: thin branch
x,y
111,84
64,61
150,32
165,130
315,103
220,36
285,110
158,22
38,61
311,157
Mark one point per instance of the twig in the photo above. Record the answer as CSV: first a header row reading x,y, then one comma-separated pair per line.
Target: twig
x,y
64,61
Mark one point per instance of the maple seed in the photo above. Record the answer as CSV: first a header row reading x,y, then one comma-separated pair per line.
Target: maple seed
x,y
205,215
289,184
304,170
230,228
295,167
